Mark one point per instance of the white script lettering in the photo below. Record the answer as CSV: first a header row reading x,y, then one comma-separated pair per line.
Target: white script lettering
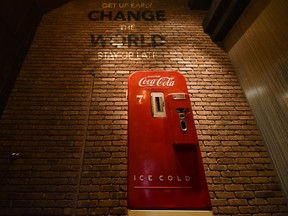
x,y
156,81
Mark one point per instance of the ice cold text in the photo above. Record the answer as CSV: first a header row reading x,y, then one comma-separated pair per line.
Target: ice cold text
x,y
162,178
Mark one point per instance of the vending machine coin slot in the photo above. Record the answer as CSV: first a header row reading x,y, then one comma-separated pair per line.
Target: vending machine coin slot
x,y
178,96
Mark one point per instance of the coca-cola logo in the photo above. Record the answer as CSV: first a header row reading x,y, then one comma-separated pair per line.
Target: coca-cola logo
x,y
156,81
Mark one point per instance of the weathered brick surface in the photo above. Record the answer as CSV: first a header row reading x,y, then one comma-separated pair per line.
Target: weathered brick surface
x,y
67,118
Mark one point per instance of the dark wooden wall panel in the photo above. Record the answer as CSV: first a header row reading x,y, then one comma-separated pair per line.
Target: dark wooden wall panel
x,y
221,16
260,57
18,22
47,5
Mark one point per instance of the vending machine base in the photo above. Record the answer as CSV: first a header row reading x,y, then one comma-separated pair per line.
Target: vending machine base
x,y
169,213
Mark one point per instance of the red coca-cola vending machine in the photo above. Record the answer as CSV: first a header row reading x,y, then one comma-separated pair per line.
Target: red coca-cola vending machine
x,y
165,170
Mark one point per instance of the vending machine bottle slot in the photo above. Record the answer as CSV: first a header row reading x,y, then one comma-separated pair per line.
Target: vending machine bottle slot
x,y
158,105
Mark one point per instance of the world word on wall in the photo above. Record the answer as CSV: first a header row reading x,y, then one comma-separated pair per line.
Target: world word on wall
x,y
137,12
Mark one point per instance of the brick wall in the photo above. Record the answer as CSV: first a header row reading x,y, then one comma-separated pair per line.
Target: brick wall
x,y
66,119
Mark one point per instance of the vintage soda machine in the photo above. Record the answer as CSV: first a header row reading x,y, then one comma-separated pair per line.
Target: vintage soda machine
x,y
165,170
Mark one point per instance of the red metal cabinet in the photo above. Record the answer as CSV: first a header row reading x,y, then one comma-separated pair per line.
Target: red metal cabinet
x,y
165,169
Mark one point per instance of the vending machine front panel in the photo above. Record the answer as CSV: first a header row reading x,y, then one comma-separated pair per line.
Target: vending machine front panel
x,y
165,169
